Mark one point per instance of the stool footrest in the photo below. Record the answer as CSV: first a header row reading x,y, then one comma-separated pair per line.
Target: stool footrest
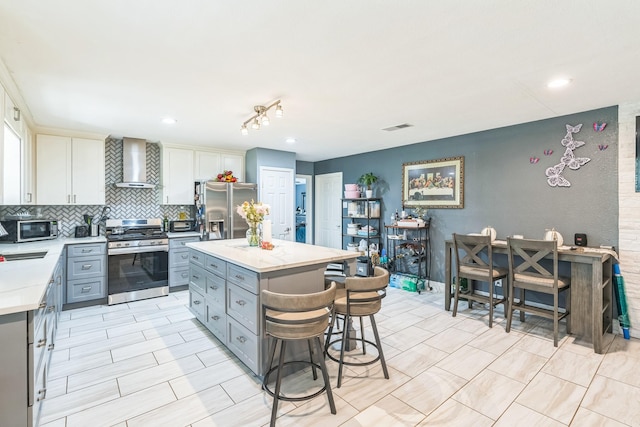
x,y
265,381
344,362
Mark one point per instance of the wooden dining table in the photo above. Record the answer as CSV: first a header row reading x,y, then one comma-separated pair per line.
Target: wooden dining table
x,y
591,288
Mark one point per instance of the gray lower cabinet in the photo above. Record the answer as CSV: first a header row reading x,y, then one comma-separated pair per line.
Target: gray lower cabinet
x,y
179,260
86,272
28,339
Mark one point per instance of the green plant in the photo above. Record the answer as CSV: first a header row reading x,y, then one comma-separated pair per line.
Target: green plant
x,y
368,179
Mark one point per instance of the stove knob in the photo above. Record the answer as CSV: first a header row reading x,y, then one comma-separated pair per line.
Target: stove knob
x,y
126,245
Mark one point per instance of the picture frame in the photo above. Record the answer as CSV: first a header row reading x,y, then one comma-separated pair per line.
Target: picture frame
x,y
434,184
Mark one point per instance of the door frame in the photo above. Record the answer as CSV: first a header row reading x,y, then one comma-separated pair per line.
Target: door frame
x,y
309,207
292,193
338,195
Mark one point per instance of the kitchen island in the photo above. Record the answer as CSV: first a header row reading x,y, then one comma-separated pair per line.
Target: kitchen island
x,y
225,280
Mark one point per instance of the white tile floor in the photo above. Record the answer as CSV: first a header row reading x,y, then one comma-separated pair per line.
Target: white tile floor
x,y
149,363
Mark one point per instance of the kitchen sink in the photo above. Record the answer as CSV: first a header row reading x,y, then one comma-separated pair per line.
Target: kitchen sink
x,y
25,255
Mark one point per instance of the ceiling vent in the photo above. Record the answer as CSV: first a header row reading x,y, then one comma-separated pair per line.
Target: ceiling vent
x,y
398,127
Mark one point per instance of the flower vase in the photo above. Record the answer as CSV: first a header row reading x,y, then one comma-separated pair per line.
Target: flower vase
x,y
252,235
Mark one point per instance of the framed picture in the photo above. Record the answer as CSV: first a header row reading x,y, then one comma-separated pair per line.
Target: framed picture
x,y
434,183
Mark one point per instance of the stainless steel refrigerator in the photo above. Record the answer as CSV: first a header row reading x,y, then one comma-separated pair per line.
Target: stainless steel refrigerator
x,y
216,203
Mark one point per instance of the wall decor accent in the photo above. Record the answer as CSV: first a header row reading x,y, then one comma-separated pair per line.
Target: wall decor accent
x,y
534,160
603,147
599,126
554,173
434,183
548,152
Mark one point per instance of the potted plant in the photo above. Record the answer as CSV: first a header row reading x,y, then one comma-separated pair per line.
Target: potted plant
x,y
368,179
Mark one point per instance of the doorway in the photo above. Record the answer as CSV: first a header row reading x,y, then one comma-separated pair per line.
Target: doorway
x,y
277,190
329,210
304,209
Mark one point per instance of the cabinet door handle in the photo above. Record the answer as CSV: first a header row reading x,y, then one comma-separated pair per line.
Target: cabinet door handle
x,y
51,346
239,277
51,308
86,289
195,276
86,251
183,243
215,317
42,394
86,267
28,197
196,257
185,256
74,198
167,199
215,288
42,342
215,266
185,275
68,198
241,339
42,305
196,302
241,302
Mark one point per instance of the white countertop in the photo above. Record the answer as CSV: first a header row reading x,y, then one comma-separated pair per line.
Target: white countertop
x,y
284,255
24,282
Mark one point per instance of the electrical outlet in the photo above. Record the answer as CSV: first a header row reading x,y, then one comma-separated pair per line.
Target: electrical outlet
x,y
498,283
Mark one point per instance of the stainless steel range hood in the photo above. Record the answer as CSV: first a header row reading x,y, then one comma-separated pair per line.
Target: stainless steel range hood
x,y
134,164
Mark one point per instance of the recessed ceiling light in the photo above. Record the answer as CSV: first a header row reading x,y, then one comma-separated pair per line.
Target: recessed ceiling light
x,y
290,140
557,83
169,120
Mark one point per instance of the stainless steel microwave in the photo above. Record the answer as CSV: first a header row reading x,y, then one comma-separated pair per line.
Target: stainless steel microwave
x,y
29,230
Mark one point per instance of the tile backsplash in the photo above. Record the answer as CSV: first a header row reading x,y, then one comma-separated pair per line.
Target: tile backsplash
x,y
123,202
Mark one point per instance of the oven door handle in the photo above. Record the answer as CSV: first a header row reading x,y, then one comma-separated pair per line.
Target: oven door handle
x,y
138,250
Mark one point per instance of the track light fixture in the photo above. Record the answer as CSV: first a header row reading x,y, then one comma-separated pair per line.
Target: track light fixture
x,y
260,117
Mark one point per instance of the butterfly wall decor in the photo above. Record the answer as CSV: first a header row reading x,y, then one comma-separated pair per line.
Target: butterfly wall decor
x,y
599,126
534,160
548,152
602,147
568,159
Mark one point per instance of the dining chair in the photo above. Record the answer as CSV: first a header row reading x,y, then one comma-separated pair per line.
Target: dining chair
x,y
296,317
474,262
528,272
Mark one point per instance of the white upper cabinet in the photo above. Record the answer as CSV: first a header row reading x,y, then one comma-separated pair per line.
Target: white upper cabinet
x,y
234,163
28,169
13,115
177,176
70,171
207,165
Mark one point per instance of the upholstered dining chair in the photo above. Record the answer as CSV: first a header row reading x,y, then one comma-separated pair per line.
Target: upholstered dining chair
x,y
361,297
528,273
474,262
296,317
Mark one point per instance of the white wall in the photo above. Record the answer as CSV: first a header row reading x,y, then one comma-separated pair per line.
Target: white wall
x,y
629,211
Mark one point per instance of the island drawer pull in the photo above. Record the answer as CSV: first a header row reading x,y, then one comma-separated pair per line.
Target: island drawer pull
x,y
213,266
42,304
86,251
215,288
241,302
185,256
86,267
86,289
215,317
42,342
185,275
241,339
42,394
196,302
196,257
196,277
239,277
51,346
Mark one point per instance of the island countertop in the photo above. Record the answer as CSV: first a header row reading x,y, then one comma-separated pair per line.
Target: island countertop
x,y
284,255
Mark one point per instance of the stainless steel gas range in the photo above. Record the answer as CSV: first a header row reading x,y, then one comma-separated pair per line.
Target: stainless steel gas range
x,y
138,258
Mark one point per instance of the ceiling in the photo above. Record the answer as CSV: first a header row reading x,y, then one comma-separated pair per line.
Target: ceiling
x,y
344,70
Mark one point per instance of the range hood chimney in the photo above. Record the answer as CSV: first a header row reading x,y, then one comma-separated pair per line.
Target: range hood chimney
x,y
134,164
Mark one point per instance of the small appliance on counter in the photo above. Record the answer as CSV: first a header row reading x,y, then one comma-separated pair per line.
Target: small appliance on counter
x,y
29,230
82,231
182,225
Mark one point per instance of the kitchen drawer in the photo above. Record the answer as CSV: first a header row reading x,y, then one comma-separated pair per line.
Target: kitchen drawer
x,y
197,277
38,350
243,344
86,289
178,258
85,249
216,288
82,267
215,265
181,242
178,276
38,389
241,276
242,305
196,257
216,321
197,304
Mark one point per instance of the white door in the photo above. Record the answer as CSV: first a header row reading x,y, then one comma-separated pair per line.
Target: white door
x,y
328,208
277,190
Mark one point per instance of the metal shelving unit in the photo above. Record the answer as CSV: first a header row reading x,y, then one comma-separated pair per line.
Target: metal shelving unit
x,y
411,249
364,212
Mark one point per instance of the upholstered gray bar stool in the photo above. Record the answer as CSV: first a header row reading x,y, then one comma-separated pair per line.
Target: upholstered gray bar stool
x,y
362,296
296,317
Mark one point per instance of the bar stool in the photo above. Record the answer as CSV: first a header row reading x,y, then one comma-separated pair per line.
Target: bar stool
x,y
296,317
474,262
361,297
